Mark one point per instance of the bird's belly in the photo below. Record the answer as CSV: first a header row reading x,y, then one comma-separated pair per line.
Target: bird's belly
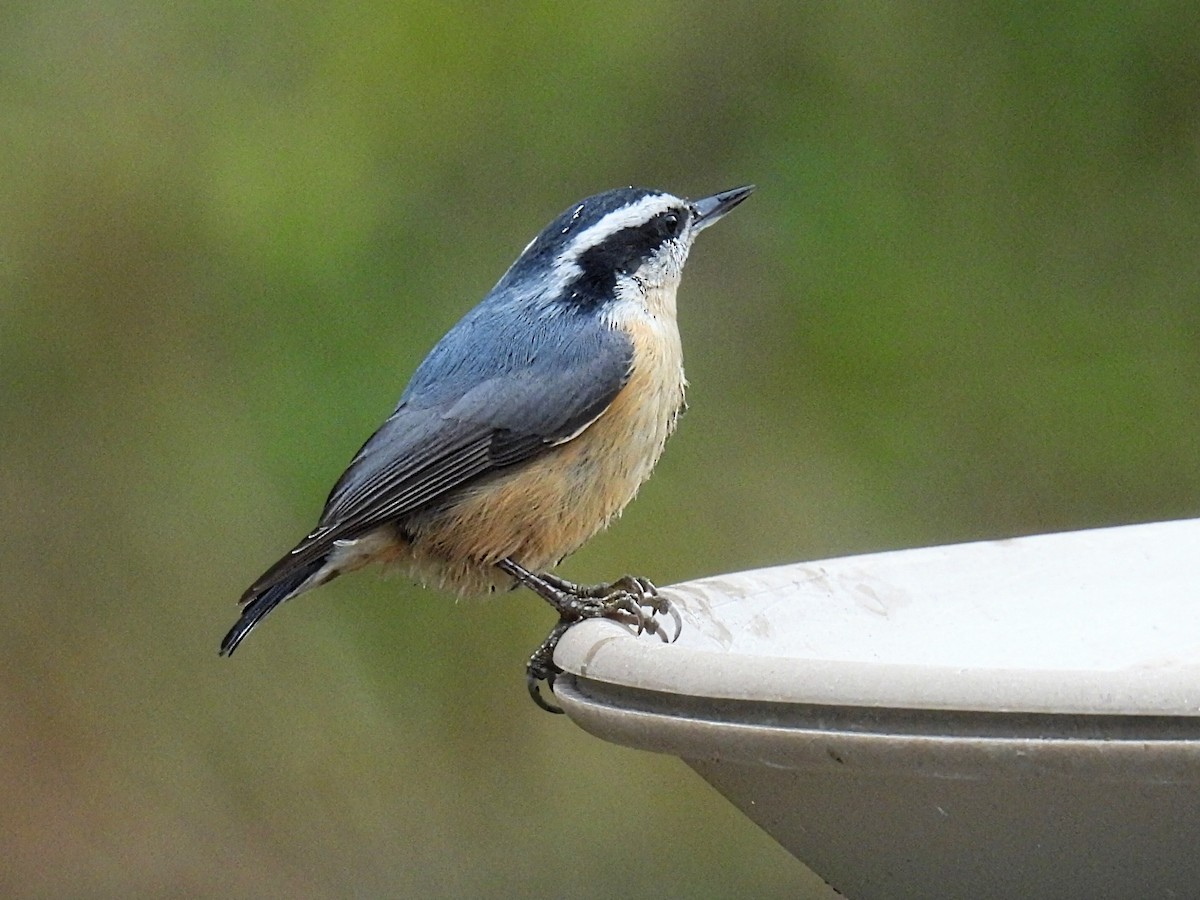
x,y
548,507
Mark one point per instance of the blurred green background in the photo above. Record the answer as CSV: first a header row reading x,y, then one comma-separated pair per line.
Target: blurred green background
x,y
964,303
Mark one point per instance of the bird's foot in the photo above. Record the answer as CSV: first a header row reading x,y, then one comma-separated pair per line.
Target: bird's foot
x,y
630,600
541,668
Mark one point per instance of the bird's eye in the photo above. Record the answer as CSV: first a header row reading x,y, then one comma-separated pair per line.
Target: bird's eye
x,y
672,224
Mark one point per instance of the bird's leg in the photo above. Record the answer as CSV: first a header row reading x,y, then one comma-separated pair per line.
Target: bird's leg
x,y
641,590
622,600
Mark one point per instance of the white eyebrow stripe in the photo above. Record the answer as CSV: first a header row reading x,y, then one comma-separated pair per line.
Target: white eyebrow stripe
x,y
565,268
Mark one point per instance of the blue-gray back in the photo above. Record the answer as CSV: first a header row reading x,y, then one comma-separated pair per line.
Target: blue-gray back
x,y
514,376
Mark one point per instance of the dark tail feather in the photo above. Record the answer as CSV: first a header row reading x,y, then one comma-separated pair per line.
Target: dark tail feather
x,y
258,605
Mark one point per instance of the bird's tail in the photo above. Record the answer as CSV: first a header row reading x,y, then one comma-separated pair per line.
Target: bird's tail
x,y
267,593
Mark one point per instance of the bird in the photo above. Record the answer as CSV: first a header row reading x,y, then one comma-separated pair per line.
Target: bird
x,y
527,429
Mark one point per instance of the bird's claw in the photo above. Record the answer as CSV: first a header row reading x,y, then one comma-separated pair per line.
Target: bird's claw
x,y
645,595
541,667
631,600
625,600
534,683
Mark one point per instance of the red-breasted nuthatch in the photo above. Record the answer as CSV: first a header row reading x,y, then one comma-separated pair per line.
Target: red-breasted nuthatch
x,y
528,427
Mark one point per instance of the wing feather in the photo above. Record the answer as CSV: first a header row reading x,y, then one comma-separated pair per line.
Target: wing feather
x,y
464,417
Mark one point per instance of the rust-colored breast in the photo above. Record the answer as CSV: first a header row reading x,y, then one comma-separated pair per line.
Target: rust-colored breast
x,y
549,507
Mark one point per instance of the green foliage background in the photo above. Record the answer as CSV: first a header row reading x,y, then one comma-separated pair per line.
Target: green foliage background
x,y
964,303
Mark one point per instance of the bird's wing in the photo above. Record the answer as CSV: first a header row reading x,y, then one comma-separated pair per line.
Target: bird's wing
x,y
463,418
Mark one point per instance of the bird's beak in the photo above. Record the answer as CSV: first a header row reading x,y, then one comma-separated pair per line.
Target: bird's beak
x,y
712,208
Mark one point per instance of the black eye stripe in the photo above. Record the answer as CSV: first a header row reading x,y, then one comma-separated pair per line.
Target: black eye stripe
x,y
624,251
